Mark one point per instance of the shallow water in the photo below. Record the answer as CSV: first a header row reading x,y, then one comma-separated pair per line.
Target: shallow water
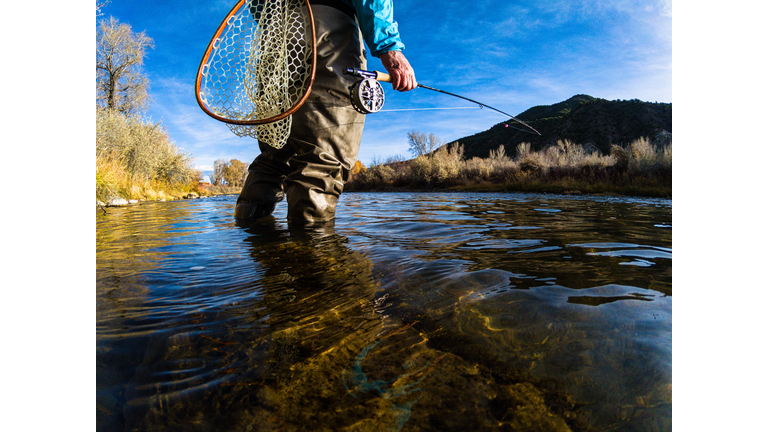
x,y
455,311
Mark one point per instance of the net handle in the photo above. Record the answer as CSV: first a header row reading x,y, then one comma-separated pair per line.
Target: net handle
x,y
209,50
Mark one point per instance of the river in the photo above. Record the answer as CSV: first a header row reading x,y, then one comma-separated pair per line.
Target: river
x,y
413,311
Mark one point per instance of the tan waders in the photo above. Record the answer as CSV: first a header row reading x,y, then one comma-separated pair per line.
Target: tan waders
x,y
325,135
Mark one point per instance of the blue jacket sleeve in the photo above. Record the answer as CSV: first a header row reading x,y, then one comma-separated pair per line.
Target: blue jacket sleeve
x,y
378,25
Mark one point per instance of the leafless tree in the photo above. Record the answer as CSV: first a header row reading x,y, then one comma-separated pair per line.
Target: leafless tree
x,y
120,81
421,144
100,4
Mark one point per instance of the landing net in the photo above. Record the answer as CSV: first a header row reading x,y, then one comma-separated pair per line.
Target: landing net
x,y
259,68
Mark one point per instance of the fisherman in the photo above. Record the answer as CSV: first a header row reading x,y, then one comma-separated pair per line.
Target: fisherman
x,y
326,131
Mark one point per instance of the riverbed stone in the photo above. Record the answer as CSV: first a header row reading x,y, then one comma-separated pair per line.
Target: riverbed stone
x,y
390,383
116,202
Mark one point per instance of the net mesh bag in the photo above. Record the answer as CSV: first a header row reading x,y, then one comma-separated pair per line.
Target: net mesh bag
x,y
259,68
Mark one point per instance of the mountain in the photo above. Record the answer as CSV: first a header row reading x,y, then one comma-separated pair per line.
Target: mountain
x,y
581,119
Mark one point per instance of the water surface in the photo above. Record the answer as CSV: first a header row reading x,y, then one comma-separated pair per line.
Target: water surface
x,y
413,311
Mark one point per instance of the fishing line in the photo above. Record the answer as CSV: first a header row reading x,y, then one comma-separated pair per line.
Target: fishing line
x,y
447,108
424,109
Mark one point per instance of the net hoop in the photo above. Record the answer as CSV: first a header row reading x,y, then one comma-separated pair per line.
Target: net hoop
x,y
209,50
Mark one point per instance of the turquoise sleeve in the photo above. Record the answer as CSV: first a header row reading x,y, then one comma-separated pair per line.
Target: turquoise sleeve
x,y
378,25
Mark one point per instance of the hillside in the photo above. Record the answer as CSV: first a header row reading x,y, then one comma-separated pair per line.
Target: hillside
x,y
581,119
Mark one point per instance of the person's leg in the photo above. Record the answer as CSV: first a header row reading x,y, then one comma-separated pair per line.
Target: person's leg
x,y
326,130
263,187
325,134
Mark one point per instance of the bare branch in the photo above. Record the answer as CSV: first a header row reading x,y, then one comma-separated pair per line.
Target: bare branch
x,y
100,4
120,81
421,144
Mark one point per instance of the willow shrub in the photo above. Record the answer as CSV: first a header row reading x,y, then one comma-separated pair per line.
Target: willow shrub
x,y
647,158
443,166
136,159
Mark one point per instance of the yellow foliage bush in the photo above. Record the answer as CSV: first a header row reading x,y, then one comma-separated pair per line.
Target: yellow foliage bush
x,y
134,158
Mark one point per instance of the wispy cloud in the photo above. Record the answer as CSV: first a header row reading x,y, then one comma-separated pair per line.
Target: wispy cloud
x,y
192,130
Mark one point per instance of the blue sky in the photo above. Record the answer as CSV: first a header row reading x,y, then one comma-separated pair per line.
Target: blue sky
x,y
510,55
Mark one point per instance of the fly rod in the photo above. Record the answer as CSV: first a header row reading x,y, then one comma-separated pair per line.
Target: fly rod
x,y
367,95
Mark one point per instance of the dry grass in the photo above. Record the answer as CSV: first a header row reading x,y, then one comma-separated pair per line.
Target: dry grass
x,y
137,160
638,169
114,180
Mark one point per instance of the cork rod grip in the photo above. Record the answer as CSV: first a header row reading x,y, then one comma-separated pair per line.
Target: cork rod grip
x,y
381,76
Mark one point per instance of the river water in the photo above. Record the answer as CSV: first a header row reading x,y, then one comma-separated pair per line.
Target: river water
x,y
413,311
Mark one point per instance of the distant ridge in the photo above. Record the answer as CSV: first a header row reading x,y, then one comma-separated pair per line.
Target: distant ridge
x,y
582,119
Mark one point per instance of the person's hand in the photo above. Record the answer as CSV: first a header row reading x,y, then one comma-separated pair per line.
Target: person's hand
x,y
403,77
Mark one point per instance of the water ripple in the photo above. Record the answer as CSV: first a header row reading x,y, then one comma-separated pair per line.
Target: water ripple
x,y
195,313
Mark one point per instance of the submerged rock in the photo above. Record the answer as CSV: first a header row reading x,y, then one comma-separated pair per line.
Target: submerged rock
x,y
394,382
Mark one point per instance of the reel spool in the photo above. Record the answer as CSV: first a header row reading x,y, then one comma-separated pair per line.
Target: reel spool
x,y
367,96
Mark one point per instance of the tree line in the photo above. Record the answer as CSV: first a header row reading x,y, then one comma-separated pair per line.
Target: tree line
x,y
232,173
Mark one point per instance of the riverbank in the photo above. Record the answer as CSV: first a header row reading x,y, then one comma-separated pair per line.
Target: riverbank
x,y
565,187
140,195
640,169
136,161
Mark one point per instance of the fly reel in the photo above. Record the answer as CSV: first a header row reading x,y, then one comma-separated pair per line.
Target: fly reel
x,y
367,96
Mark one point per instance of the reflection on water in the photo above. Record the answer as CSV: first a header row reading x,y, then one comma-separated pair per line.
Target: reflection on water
x,y
410,312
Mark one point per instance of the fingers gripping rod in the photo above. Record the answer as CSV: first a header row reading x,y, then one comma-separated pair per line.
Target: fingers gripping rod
x,y
369,88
